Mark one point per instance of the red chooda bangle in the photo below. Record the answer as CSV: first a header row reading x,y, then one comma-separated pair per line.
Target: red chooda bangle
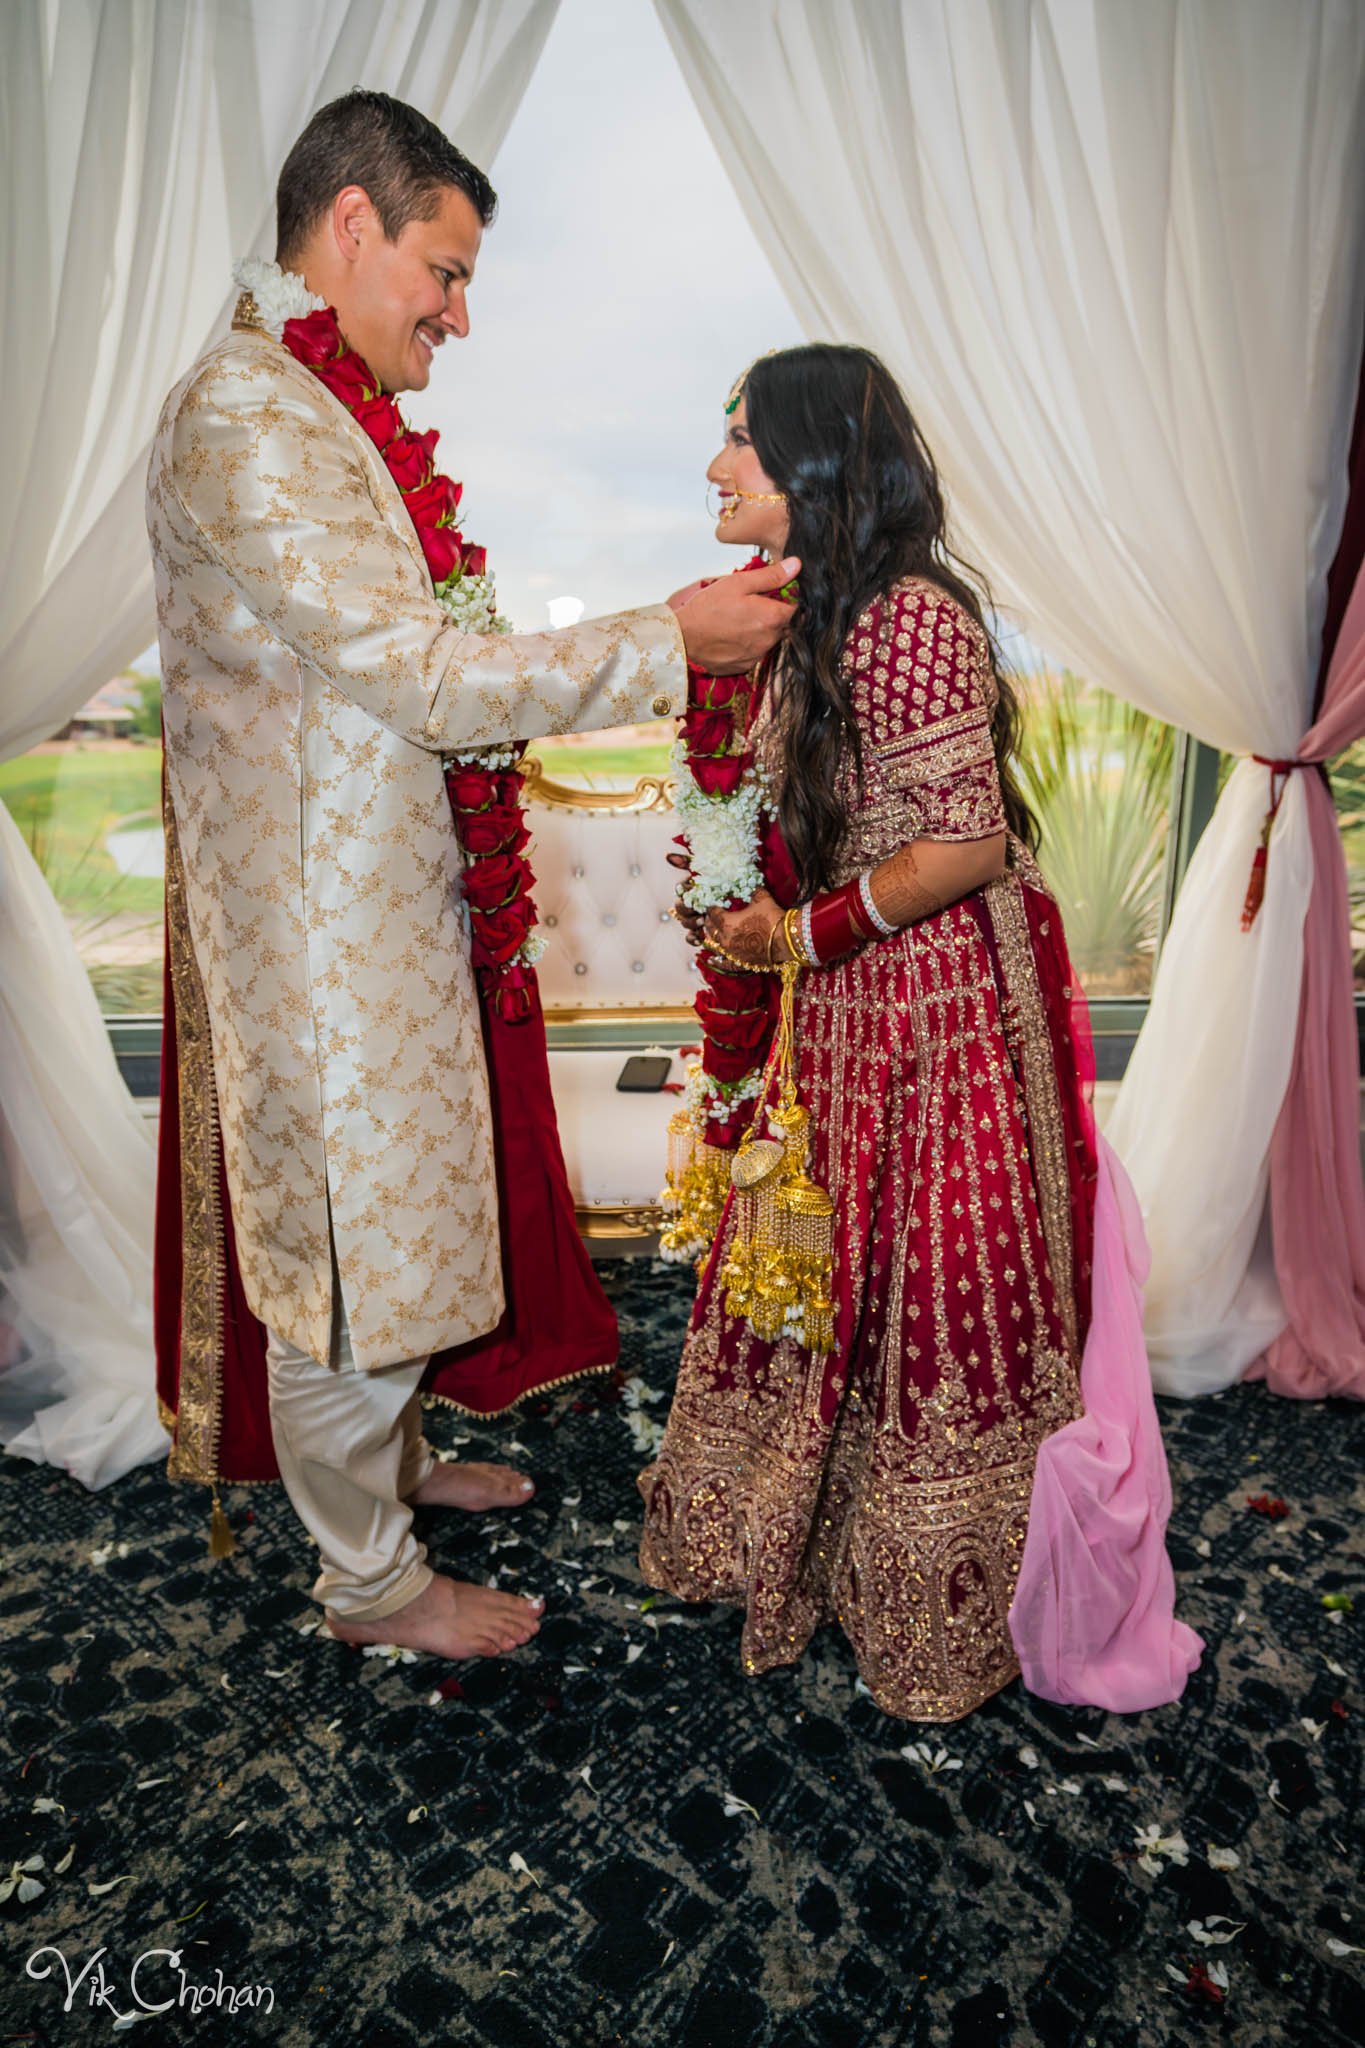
x,y
837,923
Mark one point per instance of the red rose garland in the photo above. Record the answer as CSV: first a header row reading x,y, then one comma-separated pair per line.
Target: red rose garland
x,y
485,798
737,1011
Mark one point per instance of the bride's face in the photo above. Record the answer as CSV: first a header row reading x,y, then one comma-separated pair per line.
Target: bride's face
x,y
752,511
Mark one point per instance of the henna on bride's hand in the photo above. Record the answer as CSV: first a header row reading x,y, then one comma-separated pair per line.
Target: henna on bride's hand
x,y
744,933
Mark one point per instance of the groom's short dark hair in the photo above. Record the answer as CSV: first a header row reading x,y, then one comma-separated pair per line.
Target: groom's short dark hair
x,y
365,138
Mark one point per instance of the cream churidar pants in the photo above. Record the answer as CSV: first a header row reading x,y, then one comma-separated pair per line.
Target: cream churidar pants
x,y
351,1454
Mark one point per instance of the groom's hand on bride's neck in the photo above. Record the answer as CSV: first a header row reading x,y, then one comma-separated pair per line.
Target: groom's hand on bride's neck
x,y
734,622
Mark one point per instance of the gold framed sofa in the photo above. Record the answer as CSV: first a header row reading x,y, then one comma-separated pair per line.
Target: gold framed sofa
x,y
617,977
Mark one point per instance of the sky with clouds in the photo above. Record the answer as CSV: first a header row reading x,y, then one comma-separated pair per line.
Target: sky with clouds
x,y
618,294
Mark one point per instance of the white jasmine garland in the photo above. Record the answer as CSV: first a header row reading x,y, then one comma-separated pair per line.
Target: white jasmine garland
x,y
485,757
472,603
280,295
708,1098
722,834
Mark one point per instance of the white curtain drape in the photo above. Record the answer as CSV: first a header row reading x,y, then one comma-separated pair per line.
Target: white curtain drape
x,y
140,142
1116,257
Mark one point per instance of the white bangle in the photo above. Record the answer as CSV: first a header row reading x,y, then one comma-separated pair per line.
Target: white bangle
x,y
865,894
807,938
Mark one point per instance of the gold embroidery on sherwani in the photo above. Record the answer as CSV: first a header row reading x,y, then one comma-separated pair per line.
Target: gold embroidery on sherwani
x,y
311,682
585,1372
194,1453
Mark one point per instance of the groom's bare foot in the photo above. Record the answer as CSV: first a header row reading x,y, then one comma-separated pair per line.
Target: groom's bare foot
x,y
450,1618
472,1486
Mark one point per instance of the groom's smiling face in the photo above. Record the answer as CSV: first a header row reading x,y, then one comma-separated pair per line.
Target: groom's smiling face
x,y
405,298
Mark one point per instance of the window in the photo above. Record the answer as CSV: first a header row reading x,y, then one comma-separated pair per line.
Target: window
x,y
1348,792
615,302
1098,776
88,803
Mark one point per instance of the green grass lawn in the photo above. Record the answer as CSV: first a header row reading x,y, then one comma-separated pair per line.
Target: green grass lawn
x,y
573,764
67,803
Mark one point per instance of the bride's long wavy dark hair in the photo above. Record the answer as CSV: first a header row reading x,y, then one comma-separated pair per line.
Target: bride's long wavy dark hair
x,y
832,429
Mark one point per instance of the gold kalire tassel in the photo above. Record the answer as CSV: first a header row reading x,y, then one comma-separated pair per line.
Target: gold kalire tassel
x,y
778,1272
681,1148
222,1542
693,1192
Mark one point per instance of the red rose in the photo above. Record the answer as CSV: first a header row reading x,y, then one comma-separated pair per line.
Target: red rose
x,y
380,418
493,831
441,546
409,460
471,789
508,784
489,883
743,1031
707,732
727,991
475,561
726,1135
720,777
432,503
314,339
715,692
498,934
724,1065
350,377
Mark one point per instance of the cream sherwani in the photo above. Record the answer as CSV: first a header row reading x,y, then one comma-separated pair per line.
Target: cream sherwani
x,y
310,681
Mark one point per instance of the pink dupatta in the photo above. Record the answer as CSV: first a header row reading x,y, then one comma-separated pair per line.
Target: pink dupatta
x,y
1317,1196
1093,1616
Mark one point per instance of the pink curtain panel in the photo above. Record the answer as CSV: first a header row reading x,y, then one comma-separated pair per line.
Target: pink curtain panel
x,y
1317,1198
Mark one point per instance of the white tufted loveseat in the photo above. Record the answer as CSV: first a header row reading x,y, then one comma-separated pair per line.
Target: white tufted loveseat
x,y
617,977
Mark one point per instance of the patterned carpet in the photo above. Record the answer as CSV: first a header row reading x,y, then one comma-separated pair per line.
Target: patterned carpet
x,y
613,1837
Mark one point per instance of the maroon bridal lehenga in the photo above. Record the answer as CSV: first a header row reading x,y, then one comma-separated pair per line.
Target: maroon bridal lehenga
x,y
947,1073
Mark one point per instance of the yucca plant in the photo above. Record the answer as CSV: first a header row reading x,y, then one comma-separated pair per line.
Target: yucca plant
x,y
130,986
1348,793
1097,774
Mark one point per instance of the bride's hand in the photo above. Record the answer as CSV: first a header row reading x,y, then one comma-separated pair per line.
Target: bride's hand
x,y
690,920
752,934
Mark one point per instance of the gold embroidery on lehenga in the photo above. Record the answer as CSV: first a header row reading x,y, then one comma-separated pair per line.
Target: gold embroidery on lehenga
x,y
1005,902
887,1487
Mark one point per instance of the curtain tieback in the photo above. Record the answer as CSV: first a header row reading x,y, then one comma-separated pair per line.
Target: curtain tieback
x,y
1280,771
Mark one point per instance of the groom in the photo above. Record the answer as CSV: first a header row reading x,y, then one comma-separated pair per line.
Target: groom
x,y
325,1022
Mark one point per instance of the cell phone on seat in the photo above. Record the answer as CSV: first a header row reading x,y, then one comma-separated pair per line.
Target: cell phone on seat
x,y
643,1074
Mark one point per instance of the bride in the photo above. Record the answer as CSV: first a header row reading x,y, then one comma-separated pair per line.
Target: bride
x,y
880,1474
